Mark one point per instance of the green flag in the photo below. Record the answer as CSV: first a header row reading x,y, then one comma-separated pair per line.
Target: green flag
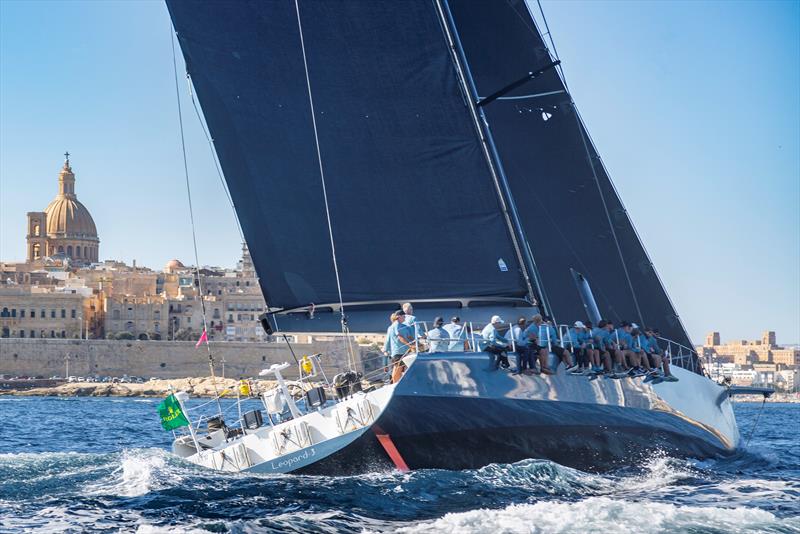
x,y
171,414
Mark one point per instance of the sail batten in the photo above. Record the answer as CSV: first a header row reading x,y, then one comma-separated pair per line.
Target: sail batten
x,y
413,211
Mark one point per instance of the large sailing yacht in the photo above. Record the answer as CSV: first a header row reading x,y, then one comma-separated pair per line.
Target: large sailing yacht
x,y
428,151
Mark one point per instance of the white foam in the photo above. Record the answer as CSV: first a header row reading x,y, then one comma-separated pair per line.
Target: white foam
x,y
606,515
139,472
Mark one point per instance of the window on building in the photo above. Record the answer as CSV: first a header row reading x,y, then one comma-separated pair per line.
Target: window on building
x,y
33,314
22,314
72,313
36,230
63,334
43,314
22,333
5,313
188,320
78,251
63,313
69,250
13,312
52,314
52,333
60,250
6,332
157,315
33,333
157,327
129,326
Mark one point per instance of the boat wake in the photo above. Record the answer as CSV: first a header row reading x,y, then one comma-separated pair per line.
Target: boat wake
x,y
148,490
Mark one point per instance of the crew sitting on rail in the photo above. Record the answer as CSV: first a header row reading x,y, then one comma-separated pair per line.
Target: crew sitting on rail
x,y
497,344
624,342
612,346
399,340
536,349
641,362
640,350
600,358
658,359
576,337
548,337
438,337
583,347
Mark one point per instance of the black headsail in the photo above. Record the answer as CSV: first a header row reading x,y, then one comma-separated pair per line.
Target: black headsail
x,y
413,209
570,211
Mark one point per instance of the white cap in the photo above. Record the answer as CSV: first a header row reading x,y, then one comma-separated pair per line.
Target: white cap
x,y
634,325
497,319
579,324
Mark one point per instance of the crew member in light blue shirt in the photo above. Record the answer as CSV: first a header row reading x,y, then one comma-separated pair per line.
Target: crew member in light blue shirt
x,y
496,343
400,340
659,359
456,334
521,343
625,341
548,333
438,337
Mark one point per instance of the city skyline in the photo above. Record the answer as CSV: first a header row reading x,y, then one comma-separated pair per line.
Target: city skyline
x,y
699,132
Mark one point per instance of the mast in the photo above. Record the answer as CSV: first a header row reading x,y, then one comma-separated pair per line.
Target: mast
x,y
509,209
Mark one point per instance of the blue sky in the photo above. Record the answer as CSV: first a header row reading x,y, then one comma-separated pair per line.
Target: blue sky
x,y
694,106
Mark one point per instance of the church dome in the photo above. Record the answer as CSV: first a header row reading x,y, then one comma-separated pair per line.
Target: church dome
x,y
66,216
173,266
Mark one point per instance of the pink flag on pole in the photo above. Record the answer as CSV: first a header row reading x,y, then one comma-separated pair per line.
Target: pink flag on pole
x,y
204,337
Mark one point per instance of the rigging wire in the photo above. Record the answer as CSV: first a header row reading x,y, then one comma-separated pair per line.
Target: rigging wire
x,y
345,329
191,217
218,167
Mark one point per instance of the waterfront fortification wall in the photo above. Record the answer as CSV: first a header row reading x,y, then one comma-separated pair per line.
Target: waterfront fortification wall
x,y
162,359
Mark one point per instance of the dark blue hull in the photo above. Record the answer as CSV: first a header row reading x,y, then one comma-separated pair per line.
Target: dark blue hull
x,y
456,413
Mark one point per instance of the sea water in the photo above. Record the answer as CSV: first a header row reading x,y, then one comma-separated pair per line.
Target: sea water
x,y
89,464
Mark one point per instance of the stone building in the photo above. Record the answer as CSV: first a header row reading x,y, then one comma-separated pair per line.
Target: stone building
x,y
31,314
142,317
65,229
747,353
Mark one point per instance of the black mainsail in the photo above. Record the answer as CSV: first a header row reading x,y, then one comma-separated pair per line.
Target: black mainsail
x,y
413,208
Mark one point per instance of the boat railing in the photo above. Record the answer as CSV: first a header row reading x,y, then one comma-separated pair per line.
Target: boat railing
x,y
683,356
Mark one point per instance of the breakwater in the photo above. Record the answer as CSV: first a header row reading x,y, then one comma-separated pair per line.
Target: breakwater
x,y
164,359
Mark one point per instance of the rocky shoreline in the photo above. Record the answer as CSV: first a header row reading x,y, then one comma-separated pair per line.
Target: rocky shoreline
x,y
196,387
